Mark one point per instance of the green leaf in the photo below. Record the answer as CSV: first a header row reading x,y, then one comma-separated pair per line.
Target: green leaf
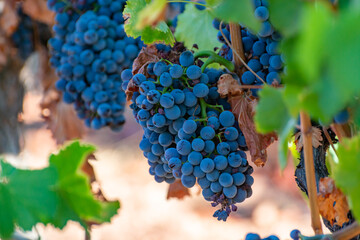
x,y
151,14
322,77
55,194
26,197
273,115
159,34
285,15
241,11
347,172
195,27
73,187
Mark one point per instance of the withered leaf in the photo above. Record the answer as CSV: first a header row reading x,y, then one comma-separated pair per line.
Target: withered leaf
x,y
9,18
243,107
38,10
332,202
145,57
177,190
316,139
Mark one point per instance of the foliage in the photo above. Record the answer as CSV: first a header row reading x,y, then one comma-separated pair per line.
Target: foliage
x,y
347,172
202,33
53,195
160,33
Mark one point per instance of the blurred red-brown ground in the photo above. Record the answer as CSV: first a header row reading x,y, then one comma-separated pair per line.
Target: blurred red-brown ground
x,y
276,206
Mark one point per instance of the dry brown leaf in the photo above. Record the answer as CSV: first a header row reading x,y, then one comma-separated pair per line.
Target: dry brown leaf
x,y
177,190
9,18
244,108
38,10
3,50
332,202
145,57
316,138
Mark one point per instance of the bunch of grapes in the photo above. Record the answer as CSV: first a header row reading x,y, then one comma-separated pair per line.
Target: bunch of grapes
x,y
254,236
23,37
261,50
89,51
189,132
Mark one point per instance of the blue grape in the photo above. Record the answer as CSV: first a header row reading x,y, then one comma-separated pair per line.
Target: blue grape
x,y
187,168
201,90
198,144
207,165
193,72
188,180
186,59
342,117
207,133
225,179
195,158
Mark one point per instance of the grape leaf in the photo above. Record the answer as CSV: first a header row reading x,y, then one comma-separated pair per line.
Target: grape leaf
x,y
195,27
152,14
177,190
73,187
9,18
241,11
243,108
332,202
347,172
285,15
26,197
38,10
320,81
272,115
54,195
161,33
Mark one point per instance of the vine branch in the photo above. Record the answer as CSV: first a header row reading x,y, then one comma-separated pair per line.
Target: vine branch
x,y
236,39
310,172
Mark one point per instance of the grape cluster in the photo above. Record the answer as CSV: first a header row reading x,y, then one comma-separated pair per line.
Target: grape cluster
x,y
295,235
261,50
254,236
89,51
189,132
23,37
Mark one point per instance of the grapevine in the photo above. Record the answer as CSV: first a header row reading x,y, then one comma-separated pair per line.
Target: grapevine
x,y
210,86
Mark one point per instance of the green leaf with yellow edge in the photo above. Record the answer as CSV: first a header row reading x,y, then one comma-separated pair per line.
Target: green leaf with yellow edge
x,y
272,115
161,33
195,27
239,11
152,14
347,172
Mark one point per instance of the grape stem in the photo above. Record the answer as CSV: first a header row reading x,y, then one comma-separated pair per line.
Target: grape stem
x,y
203,106
348,232
183,1
221,107
212,57
310,171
